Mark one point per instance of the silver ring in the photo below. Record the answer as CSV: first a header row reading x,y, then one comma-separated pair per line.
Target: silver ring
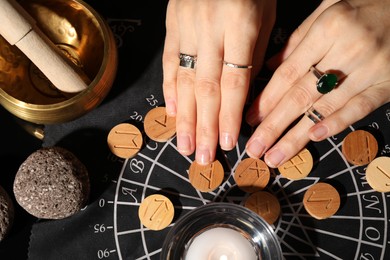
x,y
326,82
236,66
187,61
314,115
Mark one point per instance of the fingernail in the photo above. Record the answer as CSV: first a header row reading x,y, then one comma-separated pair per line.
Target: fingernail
x,y
319,132
226,141
202,155
255,148
170,107
183,143
274,158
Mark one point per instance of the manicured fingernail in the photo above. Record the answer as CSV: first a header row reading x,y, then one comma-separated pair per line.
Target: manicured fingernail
x,y
319,132
202,155
184,143
226,141
274,158
255,148
170,107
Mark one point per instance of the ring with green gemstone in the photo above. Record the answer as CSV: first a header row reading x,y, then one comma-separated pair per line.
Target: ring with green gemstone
x,y
325,82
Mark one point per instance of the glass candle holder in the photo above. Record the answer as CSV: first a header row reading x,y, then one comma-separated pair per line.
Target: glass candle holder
x,y
221,231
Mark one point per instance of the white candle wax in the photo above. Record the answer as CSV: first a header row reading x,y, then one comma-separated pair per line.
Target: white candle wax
x,y
220,243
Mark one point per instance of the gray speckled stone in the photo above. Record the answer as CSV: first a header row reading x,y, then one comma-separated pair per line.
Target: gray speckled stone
x,y
6,213
52,184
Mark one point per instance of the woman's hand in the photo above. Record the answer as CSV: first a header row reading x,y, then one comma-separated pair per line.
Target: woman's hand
x,y
349,38
208,100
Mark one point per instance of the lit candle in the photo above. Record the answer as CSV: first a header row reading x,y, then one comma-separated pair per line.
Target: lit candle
x,y
220,243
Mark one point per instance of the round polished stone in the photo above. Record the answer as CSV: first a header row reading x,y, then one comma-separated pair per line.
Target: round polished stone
x,y
326,83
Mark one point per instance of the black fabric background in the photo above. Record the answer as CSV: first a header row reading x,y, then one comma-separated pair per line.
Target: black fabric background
x,y
139,28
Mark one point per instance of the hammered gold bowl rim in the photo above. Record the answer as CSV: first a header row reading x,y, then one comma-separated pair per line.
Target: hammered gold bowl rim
x,y
26,111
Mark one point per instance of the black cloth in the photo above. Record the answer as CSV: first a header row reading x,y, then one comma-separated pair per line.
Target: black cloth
x,y
109,228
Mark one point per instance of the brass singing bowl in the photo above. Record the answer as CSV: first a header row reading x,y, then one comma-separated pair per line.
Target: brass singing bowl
x,y
84,38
